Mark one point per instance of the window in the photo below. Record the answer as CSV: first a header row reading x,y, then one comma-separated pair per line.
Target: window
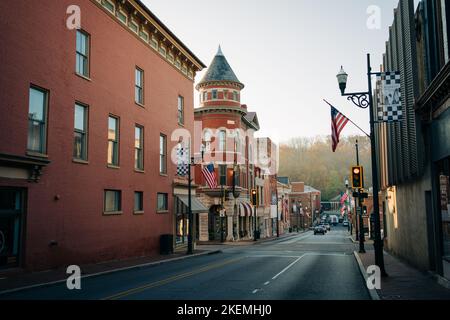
x,y
80,132
205,96
214,94
171,57
178,63
122,16
162,50
113,141
162,202
139,148
162,154
222,140
134,26
235,96
237,177
138,201
184,68
139,86
82,58
180,110
144,35
37,118
222,175
154,42
113,199
108,5
225,94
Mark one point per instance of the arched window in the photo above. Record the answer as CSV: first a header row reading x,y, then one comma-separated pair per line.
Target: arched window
x,y
207,138
222,140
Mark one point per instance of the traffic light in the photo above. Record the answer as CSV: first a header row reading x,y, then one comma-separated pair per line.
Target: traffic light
x,y
254,197
357,177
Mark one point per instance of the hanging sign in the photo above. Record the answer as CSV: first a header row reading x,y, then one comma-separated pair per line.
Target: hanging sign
x,y
389,97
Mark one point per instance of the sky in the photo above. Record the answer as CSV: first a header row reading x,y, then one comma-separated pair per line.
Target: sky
x,y
287,53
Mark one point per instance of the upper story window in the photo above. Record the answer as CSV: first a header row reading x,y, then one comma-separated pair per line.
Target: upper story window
x,y
134,26
223,175
154,42
122,17
139,147
113,141
235,96
184,68
82,57
138,202
178,63
80,132
162,154
180,110
144,35
214,94
205,96
139,86
162,50
222,140
37,120
171,57
113,201
162,202
225,94
207,139
108,5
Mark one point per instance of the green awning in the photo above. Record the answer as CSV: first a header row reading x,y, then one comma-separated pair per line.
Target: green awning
x,y
197,206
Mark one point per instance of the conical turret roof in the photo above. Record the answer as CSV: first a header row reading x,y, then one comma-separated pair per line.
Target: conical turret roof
x,y
220,70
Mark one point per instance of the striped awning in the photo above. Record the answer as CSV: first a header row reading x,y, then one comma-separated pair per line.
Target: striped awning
x,y
246,209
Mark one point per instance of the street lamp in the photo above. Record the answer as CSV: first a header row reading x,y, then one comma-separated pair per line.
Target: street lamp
x,y
364,100
191,218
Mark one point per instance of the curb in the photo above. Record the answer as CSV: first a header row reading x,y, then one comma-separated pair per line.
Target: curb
x,y
440,280
97,274
373,292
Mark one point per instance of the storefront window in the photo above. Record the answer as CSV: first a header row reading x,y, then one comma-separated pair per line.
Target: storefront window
x,y
11,205
444,200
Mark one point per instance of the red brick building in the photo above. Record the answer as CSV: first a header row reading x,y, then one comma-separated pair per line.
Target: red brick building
x,y
305,204
227,137
86,125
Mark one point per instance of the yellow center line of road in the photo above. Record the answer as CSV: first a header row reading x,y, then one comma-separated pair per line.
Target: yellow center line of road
x,y
170,279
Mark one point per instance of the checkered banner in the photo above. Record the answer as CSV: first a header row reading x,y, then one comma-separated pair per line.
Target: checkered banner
x,y
183,161
389,97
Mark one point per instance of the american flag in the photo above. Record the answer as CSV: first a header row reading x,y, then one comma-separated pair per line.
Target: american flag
x,y
338,122
210,175
344,198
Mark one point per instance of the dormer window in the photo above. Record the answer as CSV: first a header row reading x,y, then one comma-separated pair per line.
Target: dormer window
x,y
162,50
108,5
122,16
154,42
144,35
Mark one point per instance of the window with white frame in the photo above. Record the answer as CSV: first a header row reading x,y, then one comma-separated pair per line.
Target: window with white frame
x,y
154,42
122,16
180,110
222,140
139,86
109,5
134,26
144,35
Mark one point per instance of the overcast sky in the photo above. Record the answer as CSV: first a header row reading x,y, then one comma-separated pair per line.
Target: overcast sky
x,y
287,53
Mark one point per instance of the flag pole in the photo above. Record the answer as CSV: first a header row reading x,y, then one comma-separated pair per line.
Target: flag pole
x,y
348,119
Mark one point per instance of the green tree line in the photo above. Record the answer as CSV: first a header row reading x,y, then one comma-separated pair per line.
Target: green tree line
x,y
311,160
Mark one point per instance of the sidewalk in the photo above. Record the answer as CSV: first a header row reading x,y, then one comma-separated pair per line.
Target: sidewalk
x,y
19,278
404,282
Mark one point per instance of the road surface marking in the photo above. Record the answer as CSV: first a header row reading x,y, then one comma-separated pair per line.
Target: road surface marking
x,y
266,283
288,267
169,280
255,291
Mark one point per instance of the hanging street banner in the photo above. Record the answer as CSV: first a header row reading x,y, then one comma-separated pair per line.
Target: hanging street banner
x,y
389,97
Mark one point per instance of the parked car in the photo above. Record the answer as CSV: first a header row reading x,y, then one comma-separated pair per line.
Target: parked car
x,y
345,223
319,229
324,227
327,225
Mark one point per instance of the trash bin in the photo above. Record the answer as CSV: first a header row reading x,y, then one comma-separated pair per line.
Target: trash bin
x,y
166,244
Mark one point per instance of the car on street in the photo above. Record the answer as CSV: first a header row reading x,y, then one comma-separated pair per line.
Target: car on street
x,y
327,226
345,223
324,227
319,229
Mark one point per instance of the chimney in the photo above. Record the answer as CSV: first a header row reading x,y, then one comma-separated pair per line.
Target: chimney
x,y
244,106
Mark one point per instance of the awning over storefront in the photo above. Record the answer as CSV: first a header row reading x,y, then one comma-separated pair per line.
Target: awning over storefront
x,y
246,209
197,206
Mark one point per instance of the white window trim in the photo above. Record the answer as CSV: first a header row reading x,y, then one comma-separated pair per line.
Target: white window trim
x,y
132,22
125,14
146,33
111,3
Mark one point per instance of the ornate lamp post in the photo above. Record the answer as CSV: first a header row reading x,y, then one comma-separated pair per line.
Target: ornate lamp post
x,y
191,228
364,100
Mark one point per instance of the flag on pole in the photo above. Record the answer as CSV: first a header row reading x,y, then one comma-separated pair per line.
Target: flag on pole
x,y
344,198
338,122
210,175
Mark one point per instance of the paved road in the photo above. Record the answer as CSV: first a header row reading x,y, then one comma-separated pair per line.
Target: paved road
x,y
301,267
